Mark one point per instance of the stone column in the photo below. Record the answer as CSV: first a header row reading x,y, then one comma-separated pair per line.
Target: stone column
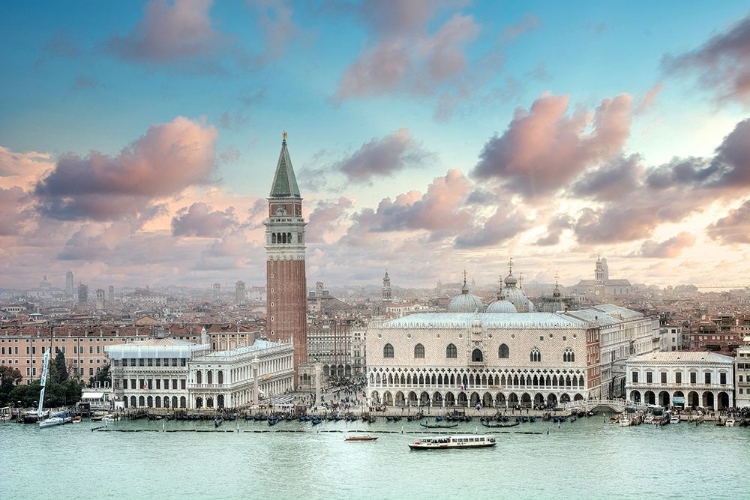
x,y
318,370
255,362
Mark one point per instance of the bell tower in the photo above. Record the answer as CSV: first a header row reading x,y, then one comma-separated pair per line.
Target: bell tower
x,y
286,282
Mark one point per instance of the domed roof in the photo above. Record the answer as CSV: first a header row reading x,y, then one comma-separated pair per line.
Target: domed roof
x,y
466,302
501,306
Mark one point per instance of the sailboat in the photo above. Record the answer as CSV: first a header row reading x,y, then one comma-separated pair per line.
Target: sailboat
x,y
56,420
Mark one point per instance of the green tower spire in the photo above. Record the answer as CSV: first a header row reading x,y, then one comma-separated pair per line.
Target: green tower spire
x,y
284,182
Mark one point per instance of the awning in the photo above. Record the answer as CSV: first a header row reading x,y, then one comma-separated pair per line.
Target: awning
x,y
92,395
678,400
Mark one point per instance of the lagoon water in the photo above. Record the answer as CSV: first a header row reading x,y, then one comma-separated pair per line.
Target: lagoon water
x,y
585,459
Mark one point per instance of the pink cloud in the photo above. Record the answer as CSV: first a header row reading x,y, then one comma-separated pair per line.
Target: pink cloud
x,y
167,159
668,249
200,221
527,24
543,149
382,157
403,55
439,211
734,228
327,217
171,33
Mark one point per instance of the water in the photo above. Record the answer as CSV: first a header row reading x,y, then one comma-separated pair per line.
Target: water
x,y
584,459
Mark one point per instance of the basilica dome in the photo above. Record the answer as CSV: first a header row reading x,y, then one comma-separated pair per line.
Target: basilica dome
x,y
501,306
466,302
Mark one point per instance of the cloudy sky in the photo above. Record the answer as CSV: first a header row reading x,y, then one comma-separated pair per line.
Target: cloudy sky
x,y
138,140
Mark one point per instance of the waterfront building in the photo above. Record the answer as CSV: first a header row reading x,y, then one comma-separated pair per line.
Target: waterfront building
x,y
742,375
286,282
84,346
169,373
503,357
226,379
693,379
331,342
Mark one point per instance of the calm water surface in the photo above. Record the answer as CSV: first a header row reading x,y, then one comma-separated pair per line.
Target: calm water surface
x,y
584,459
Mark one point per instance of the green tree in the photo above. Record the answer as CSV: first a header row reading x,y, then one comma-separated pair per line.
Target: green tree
x,y
58,368
102,376
9,378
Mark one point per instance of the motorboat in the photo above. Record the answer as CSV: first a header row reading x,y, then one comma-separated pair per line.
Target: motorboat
x,y
458,441
729,422
674,419
360,437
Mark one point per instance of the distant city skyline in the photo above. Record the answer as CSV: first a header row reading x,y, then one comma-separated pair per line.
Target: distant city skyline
x,y
138,140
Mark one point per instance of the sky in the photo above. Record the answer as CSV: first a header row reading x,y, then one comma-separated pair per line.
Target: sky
x,y
138,140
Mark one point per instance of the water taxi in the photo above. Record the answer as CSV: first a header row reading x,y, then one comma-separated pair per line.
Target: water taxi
x,y
460,441
360,437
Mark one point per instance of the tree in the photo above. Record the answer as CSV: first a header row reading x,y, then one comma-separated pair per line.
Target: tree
x,y
58,369
102,376
9,378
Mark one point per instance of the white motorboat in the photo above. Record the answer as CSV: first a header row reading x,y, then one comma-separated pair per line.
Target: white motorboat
x,y
674,419
458,441
729,422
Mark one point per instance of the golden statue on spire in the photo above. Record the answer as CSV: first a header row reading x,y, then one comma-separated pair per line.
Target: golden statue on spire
x,y
284,134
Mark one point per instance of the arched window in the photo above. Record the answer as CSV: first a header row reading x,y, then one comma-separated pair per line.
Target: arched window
x,y
198,377
388,351
221,377
419,351
503,352
476,356
451,351
535,355
569,356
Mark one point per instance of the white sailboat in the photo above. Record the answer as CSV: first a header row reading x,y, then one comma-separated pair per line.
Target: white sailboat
x,y
40,412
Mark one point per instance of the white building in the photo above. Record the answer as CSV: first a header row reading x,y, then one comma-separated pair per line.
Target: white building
x,y
675,378
226,378
152,373
168,373
742,375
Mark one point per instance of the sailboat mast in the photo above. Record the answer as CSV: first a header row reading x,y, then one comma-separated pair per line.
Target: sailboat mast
x,y
44,375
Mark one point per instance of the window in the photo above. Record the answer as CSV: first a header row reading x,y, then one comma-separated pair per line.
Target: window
x,y
569,356
503,352
419,351
722,378
663,377
388,351
678,377
535,356
476,356
451,351
649,377
635,377
693,377
707,378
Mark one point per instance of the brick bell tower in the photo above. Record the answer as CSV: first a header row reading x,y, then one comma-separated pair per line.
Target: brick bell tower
x,y
286,283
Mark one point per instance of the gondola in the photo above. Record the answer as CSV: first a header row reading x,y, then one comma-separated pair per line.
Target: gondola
x,y
497,426
438,426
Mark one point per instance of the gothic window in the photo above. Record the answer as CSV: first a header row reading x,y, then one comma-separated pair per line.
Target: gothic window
x,y
569,356
535,356
476,356
419,351
388,351
288,237
503,352
451,351
273,238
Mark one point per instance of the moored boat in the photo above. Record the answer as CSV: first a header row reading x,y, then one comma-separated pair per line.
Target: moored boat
x,y
459,441
51,422
437,426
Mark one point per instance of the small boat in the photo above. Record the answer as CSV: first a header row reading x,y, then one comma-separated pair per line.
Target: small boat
x,y
109,418
437,426
729,422
77,419
360,437
675,419
218,421
624,420
458,441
